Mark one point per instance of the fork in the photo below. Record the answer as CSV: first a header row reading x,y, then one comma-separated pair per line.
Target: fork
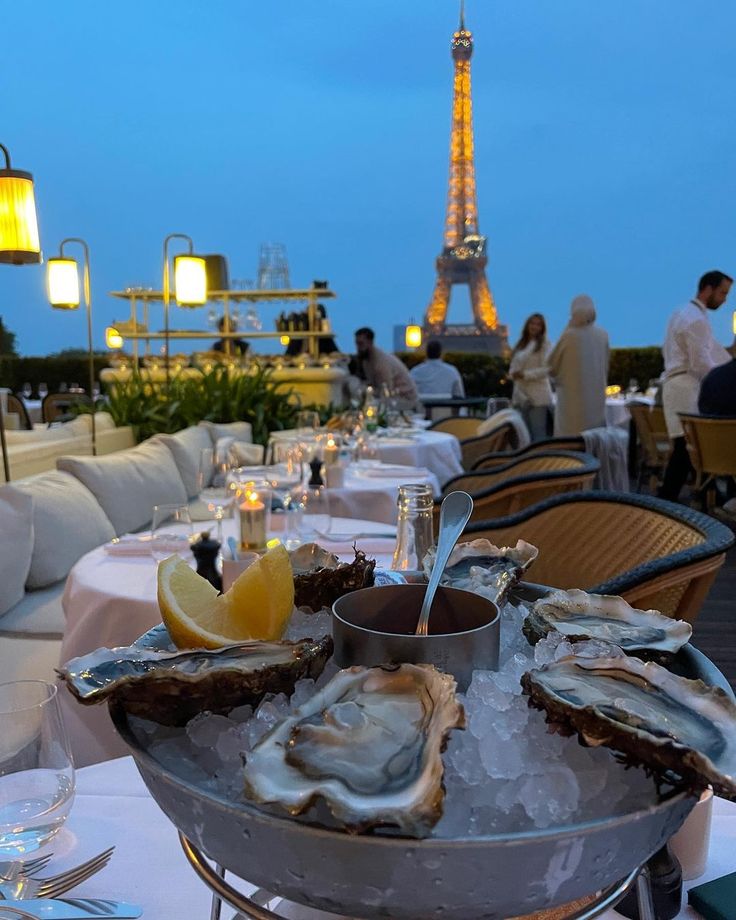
x,y
55,885
10,870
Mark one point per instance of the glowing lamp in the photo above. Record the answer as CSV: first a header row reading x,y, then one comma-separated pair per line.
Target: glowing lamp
x,y
413,336
19,244
62,281
733,322
285,339
190,281
113,339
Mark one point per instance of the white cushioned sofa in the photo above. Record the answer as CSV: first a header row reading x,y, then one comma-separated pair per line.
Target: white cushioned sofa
x,y
50,520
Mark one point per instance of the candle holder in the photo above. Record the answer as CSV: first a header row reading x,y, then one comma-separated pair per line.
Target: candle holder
x,y
253,501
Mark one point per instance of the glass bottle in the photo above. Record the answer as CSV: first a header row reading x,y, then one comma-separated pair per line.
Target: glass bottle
x,y
370,410
414,535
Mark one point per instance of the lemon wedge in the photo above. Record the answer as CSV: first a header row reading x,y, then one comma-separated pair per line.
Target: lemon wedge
x,y
257,606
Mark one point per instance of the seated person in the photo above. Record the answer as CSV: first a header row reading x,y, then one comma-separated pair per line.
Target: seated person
x,y
718,391
381,368
237,346
435,376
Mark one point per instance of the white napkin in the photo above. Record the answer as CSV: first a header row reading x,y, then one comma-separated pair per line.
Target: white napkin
x,y
140,545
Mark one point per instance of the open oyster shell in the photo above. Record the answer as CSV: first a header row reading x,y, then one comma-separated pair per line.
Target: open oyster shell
x,y
320,578
172,687
484,568
577,615
667,723
369,744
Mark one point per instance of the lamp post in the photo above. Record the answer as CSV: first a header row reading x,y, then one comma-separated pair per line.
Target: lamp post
x,y
62,277
19,242
190,285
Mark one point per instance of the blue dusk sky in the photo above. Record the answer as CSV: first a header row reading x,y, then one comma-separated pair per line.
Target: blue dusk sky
x,y
604,138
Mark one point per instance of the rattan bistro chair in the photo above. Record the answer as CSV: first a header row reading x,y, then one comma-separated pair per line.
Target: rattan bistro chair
x,y
458,425
16,404
511,488
711,443
57,407
654,553
501,438
493,460
653,441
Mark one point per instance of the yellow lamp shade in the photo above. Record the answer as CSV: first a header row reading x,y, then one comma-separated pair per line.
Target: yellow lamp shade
x,y
62,281
285,339
113,339
19,243
190,281
413,336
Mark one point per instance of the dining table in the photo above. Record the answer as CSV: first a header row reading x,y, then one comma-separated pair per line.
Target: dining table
x,y
113,807
437,451
110,601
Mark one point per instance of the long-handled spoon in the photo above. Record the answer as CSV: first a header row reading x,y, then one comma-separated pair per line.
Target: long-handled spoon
x,y
455,512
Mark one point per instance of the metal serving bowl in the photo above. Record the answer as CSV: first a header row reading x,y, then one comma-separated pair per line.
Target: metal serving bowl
x,y
372,875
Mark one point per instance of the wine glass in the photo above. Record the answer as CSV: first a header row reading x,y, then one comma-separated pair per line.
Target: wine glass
x,y
171,531
307,420
366,451
284,477
26,391
633,386
218,496
314,511
43,391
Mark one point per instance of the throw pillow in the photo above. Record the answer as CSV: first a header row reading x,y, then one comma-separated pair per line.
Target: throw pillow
x,y
186,447
16,544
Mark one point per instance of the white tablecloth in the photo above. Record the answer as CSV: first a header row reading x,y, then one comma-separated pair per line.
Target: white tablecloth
x,y
149,868
111,600
437,451
371,492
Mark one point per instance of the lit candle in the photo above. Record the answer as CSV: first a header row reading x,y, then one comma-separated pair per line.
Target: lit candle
x,y
330,453
252,522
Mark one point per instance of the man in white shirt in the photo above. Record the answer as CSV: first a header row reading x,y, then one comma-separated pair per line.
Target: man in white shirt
x,y
435,376
690,351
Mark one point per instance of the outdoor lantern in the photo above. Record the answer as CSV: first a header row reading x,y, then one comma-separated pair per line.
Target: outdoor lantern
x,y
62,280
190,280
285,339
19,243
413,336
733,322
113,339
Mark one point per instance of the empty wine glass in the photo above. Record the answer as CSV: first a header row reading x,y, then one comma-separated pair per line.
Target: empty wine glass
x,y
284,477
307,420
366,451
43,391
218,496
26,391
171,531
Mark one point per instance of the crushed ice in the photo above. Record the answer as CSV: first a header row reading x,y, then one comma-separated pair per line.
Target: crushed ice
x,y
504,773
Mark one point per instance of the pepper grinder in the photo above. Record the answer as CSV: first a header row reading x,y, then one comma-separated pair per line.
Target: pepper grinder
x,y
205,551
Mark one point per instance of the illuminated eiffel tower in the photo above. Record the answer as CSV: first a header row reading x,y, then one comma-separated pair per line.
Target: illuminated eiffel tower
x,y
463,258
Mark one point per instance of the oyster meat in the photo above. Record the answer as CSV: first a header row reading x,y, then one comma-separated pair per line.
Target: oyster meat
x,y
669,724
578,616
369,744
172,687
484,568
320,578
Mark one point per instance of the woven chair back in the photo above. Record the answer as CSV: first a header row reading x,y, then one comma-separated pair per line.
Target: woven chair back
x,y
16,405
534,465
711,443
655,449
499,439
489,461
460,427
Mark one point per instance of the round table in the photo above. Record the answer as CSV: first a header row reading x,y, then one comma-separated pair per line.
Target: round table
x,y
113,806
110,601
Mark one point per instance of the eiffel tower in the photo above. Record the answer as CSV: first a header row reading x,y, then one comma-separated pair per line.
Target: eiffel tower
x,y
463,258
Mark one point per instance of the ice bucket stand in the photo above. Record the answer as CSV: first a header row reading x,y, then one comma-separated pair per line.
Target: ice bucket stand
x,y
250,909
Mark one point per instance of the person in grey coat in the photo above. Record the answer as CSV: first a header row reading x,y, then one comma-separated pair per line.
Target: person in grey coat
x,y
579,366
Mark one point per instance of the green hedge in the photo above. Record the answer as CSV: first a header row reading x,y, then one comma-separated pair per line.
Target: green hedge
x,y
485,375
52,371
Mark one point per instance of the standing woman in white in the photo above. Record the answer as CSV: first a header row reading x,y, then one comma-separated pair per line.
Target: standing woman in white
x,y
532,394
690,351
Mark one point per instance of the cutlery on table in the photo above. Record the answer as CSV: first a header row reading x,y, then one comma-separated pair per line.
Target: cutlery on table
x,y
11,869
67,909
24,888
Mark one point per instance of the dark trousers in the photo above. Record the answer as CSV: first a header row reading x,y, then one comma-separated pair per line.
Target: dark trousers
x,y
678,469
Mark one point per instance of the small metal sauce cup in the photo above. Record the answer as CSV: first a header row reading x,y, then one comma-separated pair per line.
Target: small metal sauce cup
x,y
376,626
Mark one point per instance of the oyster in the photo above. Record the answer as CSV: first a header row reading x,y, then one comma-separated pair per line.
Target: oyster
x,y
669,724
369,744
484,568
320,578
577,615
172,687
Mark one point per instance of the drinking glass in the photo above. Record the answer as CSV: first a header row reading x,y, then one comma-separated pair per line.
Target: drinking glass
x,y
171,531
313,511
284,477
218,496
366,452
307,421
36,769
26,391
43,391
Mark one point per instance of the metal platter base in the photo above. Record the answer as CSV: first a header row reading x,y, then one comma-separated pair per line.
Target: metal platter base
x,y
255,906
